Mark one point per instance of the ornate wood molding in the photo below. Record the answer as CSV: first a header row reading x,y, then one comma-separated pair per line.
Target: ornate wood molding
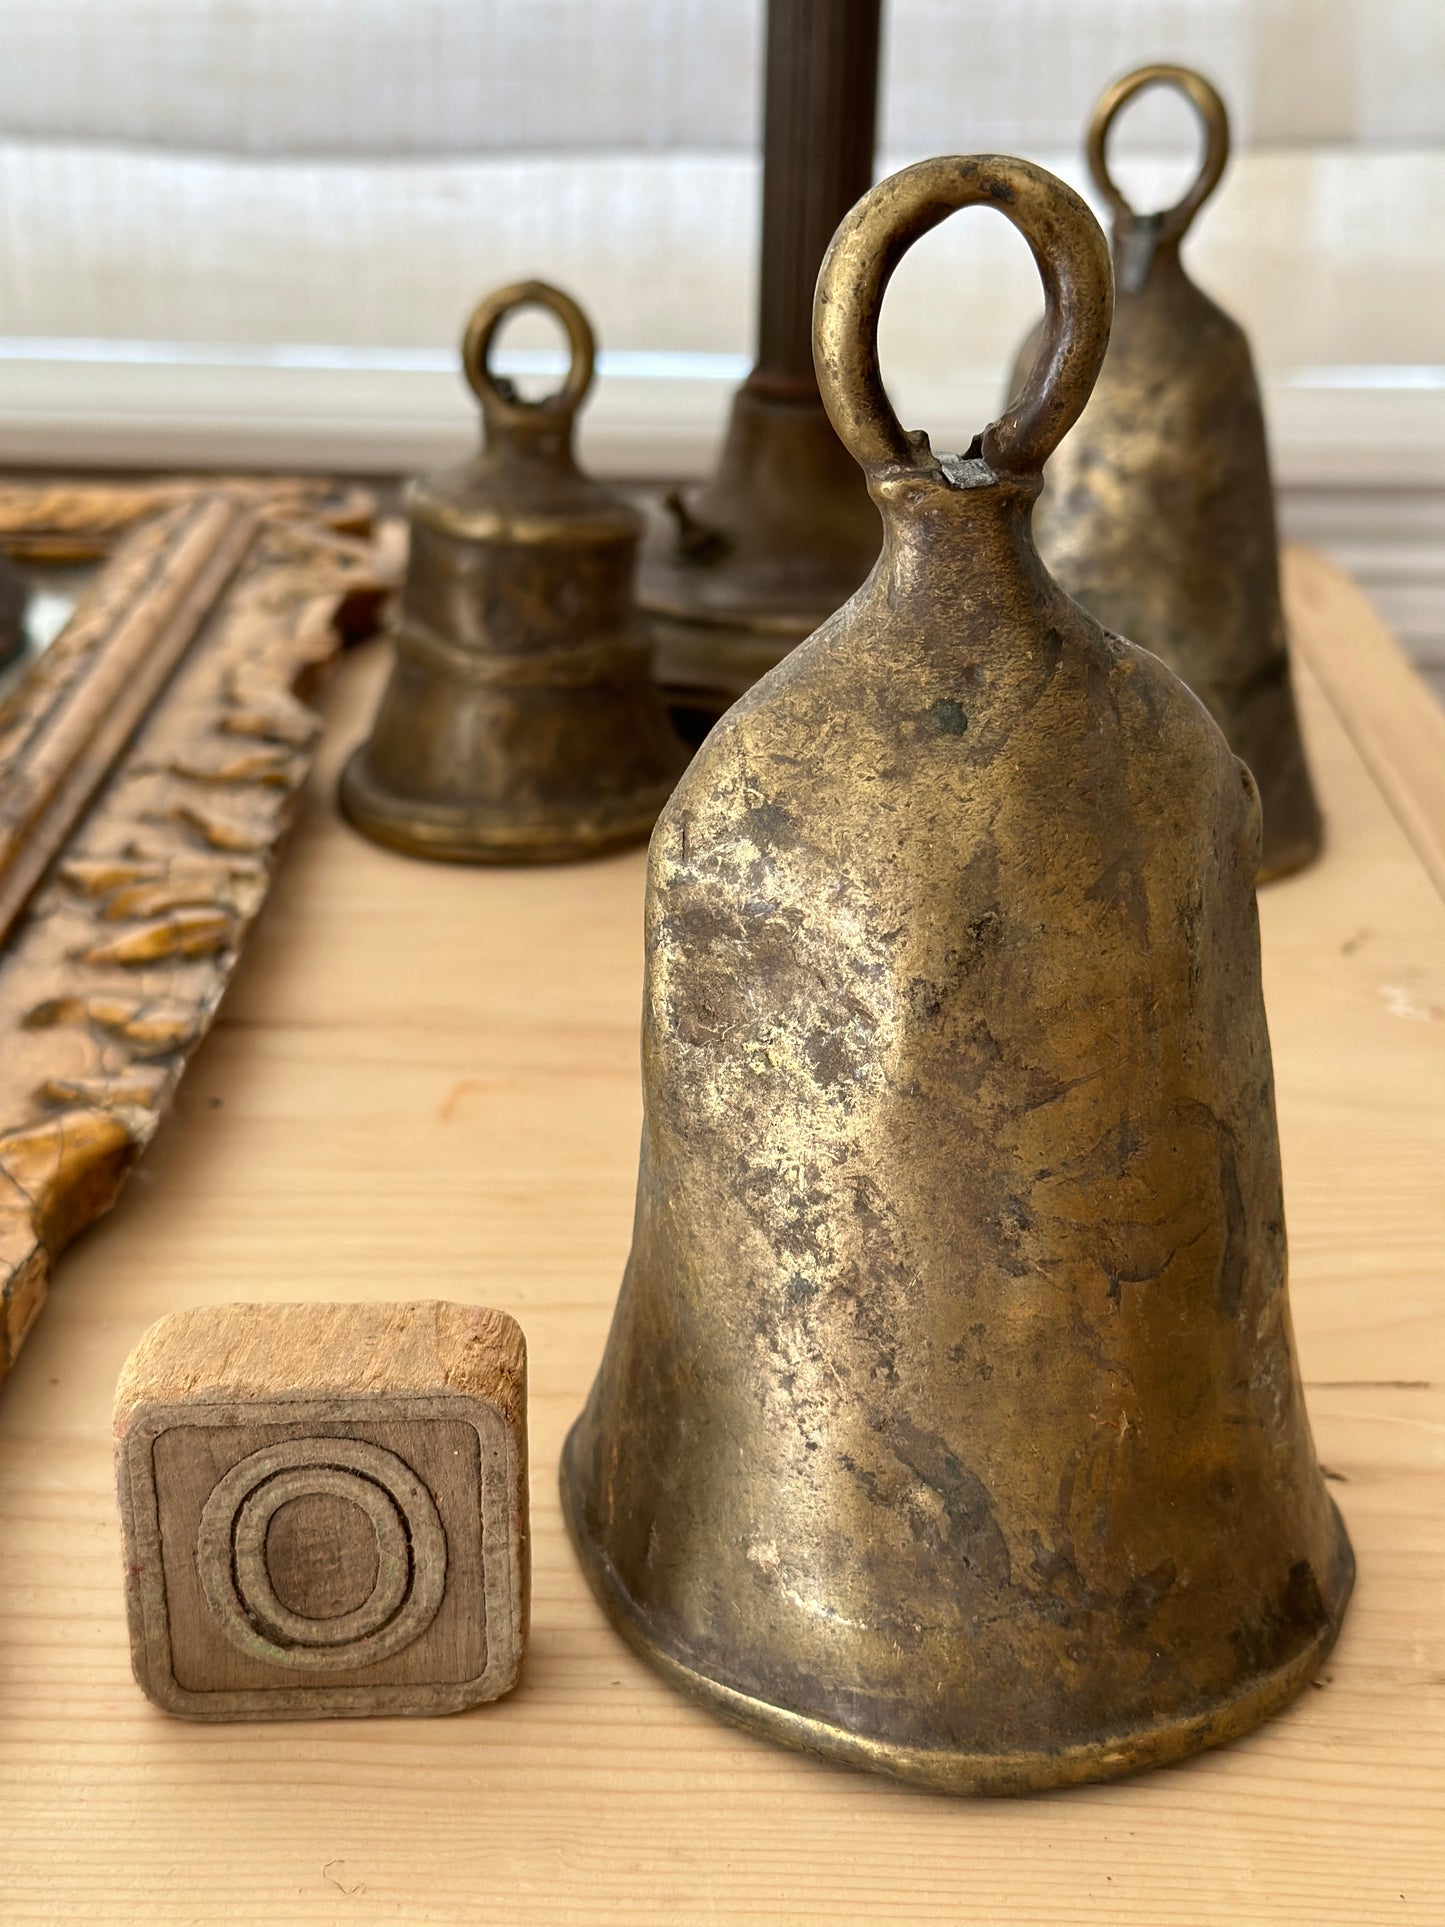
x,y
149,765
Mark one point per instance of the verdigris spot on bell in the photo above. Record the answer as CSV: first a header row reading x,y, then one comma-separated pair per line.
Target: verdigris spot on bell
x,y
947,716
949,1424
521,723
1159,510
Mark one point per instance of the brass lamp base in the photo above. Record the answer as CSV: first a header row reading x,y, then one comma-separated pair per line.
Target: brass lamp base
x,y
709,665
1112,1756
778,540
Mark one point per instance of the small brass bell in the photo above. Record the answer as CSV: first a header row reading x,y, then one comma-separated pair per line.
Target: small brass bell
x,y
521,723
1159,512
949,1423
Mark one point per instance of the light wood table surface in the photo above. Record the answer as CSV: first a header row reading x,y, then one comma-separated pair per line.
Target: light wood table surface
x,y
424,1083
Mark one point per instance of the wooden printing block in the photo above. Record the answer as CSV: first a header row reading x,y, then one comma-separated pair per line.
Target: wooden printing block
x,y
324,1509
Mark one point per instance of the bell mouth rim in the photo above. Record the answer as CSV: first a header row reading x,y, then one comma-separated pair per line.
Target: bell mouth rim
x,y
946,1770
414,827
1291,857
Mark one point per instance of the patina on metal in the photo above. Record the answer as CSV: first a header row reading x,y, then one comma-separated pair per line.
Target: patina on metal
x,y
1159,511
521,723
784,532
949,1423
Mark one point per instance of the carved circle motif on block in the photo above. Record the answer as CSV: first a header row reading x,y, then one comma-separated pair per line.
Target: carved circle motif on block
x,y
410,1558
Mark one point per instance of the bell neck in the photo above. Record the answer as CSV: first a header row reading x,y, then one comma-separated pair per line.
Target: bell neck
x,y
1146,252
523,472
511,445
952,503
953,519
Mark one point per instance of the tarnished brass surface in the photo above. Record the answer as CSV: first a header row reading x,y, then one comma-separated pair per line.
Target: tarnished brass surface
x,y
1159,513
521,723
784,532
949,1421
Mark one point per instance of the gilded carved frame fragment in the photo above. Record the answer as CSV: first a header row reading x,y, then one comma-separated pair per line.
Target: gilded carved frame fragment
x,y
150,760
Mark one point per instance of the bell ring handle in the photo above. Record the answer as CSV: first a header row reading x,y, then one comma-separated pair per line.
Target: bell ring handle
x,y
1072,256
1171,222
499,404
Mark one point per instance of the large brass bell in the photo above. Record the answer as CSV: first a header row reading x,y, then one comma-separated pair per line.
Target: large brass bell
x,y
521,722
949,1423
1159,511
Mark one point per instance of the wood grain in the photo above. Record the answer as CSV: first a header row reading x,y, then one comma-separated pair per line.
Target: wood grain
x,y
424,1083
1393,724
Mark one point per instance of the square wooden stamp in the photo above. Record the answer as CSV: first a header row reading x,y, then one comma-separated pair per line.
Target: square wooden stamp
x,y
324,1509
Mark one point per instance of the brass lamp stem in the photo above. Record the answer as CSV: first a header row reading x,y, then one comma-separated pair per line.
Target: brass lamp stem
x,y
785,531
819,115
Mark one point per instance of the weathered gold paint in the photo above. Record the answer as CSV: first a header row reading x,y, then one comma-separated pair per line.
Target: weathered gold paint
x,y
1159,512
949,1423
521,723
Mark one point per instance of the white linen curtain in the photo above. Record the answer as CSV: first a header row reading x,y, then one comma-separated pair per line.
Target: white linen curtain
x,y
394,78
250,230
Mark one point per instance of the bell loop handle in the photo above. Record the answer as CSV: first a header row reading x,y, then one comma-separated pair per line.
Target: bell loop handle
x,y
1072,256
501,406
1171,223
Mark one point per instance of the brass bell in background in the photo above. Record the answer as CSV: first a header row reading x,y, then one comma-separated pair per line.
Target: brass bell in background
x,y
521,723
949,1423
1159,513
